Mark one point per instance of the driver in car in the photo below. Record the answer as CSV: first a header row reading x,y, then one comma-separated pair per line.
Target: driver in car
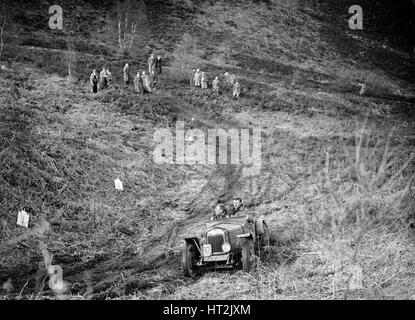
x,y
236,207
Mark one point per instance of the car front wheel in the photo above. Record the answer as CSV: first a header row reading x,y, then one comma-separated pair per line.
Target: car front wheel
x,y
190,257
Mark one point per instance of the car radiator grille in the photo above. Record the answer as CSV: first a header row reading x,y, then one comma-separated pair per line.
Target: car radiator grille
x,y
216,242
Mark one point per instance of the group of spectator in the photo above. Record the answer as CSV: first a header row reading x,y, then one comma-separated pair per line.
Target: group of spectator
x,y
146,82
143,82
199,79
101,81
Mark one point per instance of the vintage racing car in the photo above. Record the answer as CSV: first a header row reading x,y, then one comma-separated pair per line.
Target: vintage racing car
x,y
226,243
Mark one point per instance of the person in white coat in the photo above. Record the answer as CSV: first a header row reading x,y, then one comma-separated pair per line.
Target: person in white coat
x,y
146,83
215,85
126,74
236,90
197,78
203,80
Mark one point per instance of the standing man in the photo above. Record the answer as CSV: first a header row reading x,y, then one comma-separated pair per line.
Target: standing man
x,y
138,84
103,81
232,79
158,65
192,78
229,78
146,83
109,76
203,80
362,89
215,85
150,63
197,78
126,74
93,80
153,79
226,75
236,90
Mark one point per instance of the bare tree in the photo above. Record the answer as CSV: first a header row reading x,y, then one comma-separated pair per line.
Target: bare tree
x,y
1,36
131,18
70,56
70,33
3,19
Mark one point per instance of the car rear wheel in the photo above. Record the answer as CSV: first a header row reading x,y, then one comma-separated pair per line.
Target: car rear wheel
x,y
190,257
248,255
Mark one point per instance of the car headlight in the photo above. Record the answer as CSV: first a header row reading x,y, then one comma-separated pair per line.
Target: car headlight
x,y
226,247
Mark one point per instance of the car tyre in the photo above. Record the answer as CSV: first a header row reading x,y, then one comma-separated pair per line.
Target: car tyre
x,y
190,257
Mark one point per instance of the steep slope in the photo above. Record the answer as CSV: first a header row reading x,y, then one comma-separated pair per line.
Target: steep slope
x,y
61,149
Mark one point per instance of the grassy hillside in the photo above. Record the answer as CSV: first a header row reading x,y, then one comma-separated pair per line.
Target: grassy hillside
x,y
334,198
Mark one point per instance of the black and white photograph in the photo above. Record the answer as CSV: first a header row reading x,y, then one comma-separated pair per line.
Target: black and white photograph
x,y
207,150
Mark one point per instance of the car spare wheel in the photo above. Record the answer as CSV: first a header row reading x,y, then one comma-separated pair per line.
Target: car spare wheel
x,y
190,256
248,255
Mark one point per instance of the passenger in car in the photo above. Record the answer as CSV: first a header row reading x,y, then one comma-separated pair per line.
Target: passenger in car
x,y
219,213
